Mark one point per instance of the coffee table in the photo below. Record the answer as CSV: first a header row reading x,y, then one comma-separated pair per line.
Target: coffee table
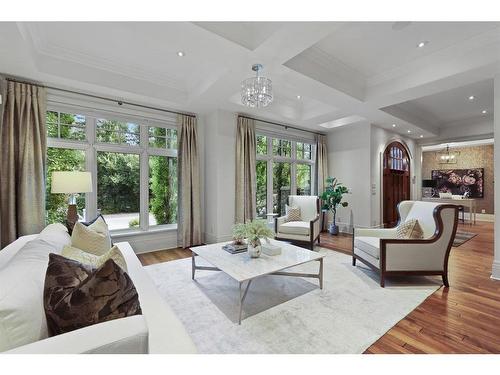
x,y
244,269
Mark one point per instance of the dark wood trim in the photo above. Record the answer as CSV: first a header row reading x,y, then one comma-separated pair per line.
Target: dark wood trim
x,y
437,235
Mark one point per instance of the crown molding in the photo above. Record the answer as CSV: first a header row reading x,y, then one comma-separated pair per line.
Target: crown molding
x,y
39,43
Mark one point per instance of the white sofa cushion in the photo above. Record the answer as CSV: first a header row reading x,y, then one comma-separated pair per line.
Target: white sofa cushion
x,y
95,261
369,245
295,227
22,316
307,204
94,239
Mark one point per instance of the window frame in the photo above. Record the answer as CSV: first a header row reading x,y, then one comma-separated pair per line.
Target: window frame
x,y
91,147
293,160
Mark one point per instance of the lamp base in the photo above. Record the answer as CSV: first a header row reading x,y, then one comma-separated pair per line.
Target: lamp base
x,y
71,217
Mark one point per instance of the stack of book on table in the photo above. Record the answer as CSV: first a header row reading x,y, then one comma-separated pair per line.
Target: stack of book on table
x,y
235,249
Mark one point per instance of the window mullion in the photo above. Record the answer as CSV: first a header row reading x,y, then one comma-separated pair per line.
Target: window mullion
x,y
144,179
91,161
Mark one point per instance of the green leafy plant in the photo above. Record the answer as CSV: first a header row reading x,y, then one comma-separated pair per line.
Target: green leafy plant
x,y
133,223
239,233
256,230
333,195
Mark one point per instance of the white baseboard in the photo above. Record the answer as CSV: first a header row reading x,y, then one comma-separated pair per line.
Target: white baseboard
x,y
495,270
150,241
213,238
490,218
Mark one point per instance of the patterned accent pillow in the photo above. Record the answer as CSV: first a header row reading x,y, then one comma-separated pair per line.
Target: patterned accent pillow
x,y
77,295
95,261
293,214
94,239
410,229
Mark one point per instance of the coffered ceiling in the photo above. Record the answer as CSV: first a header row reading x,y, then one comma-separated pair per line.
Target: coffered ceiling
x,y
325,74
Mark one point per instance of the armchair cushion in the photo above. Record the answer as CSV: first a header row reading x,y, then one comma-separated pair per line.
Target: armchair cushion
x,y
307,204
295,227
292,214
369,245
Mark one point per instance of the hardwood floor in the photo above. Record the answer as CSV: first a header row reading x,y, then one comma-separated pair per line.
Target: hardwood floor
x,y
464,318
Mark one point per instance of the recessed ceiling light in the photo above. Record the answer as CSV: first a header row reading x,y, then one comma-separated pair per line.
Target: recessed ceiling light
x,y
180,53
421,136
409,131
484,111
393,125
472,97
299,97
423,43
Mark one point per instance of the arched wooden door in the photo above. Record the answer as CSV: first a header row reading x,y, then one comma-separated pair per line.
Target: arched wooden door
x,y
396,181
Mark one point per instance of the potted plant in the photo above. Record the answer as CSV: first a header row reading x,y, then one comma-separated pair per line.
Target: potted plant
x,y
255,231
332,198
239,235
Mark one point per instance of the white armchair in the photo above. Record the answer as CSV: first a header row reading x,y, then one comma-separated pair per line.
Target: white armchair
x,y
305,231
380,250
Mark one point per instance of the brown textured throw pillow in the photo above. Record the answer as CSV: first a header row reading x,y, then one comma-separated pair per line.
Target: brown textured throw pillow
x,y
77,295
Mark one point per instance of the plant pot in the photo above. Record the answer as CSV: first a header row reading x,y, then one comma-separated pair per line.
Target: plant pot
x,y
333,229
254,251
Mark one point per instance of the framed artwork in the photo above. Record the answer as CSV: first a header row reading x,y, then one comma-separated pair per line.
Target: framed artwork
x,y
460,181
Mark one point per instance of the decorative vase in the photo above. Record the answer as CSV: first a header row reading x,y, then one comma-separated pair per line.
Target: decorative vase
x,y
254,251
333,229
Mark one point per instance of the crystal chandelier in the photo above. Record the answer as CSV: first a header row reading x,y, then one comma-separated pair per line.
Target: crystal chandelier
x,y
257,91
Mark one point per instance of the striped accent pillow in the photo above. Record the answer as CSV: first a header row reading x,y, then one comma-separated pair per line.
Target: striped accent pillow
x,y
293,214
410,229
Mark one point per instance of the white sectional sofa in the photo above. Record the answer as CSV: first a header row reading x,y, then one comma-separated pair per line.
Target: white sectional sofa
x,y
158,330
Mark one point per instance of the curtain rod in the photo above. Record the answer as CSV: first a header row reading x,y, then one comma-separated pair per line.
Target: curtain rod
x,y
119,102
282,125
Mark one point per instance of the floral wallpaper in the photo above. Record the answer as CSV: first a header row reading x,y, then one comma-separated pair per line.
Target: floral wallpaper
x,y
469,158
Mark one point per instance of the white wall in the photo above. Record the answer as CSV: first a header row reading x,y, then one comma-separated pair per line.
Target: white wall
x,y
495,273
220,145
349,162
380,138
354,157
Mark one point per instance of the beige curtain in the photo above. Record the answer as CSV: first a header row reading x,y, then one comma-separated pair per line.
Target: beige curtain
x,y
22,161
321,171
189,222
245,170
321,162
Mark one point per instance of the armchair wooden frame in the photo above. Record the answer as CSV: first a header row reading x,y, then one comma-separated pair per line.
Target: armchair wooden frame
x,y
312,237
437,234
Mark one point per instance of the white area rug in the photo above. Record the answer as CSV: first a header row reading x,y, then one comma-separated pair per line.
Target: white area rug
x,y
288,314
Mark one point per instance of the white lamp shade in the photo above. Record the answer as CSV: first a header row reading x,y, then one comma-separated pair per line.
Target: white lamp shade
x,y
71,182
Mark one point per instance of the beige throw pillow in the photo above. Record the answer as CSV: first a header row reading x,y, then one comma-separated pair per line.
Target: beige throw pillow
x,y
93,239
293,214
410,229
95,261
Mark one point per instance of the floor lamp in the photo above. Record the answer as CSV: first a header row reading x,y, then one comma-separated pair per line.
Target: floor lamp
x,y
72,183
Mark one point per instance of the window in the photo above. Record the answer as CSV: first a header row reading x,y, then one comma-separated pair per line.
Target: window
x,y
283,167
261,145
162,190
281,187
112,131
118,190
303,151
65,126
282,147
304,179
133,166
261,176
162,138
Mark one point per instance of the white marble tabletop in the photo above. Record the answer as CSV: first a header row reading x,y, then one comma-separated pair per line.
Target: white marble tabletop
x,y
242,268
